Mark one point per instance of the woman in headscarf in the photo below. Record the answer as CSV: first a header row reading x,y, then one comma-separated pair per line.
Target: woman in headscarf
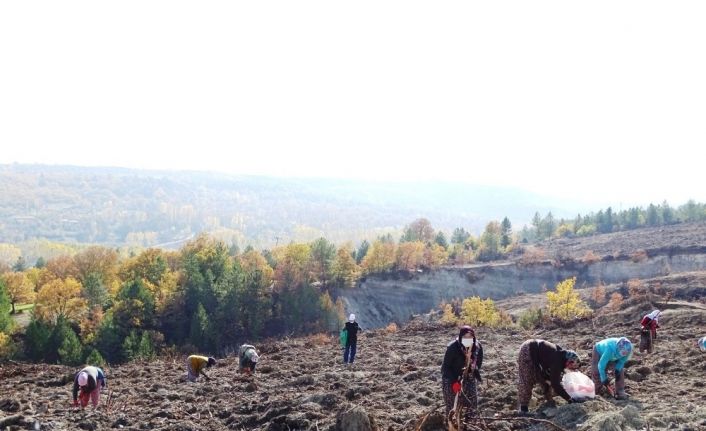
x,y
541,362
648,330
89,382
615,352
459,372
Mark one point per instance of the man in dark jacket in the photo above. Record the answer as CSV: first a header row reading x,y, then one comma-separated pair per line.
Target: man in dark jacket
x,y
352,329
542,362
463,353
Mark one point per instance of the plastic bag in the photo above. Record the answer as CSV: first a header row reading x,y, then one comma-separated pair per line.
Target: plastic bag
x,y
578,385
343,337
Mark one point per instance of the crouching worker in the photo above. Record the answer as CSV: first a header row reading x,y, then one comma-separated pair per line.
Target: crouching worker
x,y
542,362
89,381
248,359
459,372
648,330
195,365
611,352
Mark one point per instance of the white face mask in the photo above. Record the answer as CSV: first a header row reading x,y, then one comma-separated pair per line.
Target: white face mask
x,y
468,342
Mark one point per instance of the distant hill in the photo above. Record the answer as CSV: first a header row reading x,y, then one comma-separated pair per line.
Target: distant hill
x,y
116,206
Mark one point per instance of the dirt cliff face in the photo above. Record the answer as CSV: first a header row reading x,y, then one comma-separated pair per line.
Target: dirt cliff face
x,y
640,254
301,384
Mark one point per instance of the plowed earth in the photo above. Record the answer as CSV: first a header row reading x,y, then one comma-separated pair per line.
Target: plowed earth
x,y
302,384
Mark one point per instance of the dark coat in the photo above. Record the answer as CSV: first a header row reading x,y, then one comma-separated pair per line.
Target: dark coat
x,y
455,360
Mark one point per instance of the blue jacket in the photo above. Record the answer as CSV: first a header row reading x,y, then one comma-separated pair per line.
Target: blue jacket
x,y
608,349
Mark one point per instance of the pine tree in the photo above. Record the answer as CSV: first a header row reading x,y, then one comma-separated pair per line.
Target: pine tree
x,y
94,358
5,319
506,233
199,327
441,240
37,337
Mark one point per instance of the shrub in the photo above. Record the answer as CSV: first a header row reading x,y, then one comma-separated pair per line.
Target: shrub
x,y
391,328
565,303
448,315
639,256
533,255
7,347
319,339
477,312
586,230
616,301
598,294
590,257
636,289
531,318
95,358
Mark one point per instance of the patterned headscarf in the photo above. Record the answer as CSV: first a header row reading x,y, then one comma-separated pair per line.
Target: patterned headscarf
x,y
624,347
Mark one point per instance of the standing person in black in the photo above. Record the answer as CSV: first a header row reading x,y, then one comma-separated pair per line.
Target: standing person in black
x,y
352,329
542,362
463,351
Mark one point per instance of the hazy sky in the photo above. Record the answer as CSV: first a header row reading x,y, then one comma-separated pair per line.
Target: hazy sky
x,y
601,100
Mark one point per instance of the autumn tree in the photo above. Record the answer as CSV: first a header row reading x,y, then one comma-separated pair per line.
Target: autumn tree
x,y
598,294
448,316
418,230
19,289
565,303
434,256
99,261
60,299
410,255
292,264
61,267
344,271
478,312
251,262
150,265
380,258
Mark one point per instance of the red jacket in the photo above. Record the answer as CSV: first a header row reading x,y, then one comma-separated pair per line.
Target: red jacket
x,y
649,323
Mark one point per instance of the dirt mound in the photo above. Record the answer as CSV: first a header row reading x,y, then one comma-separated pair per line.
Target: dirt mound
x,y
301,384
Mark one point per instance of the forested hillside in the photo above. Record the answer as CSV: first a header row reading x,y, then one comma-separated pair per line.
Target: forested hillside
x,y
115,207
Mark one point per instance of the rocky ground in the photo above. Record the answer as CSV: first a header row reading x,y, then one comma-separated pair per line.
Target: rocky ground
x,y
395,383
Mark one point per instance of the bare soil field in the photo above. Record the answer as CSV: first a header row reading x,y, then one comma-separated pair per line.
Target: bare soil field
x,y
301,384
662,239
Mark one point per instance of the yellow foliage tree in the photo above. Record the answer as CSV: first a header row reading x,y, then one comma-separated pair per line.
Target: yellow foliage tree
x,y
61,298
19,288
448,315
380,258
251,261
435,256
291,271
565,303
344,270
6,348
410,255
478,312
